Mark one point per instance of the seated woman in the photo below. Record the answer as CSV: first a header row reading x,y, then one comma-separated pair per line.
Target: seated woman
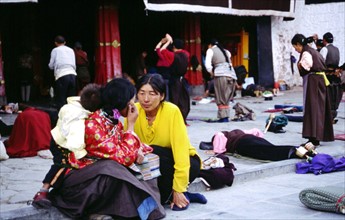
x,y
161,125
250,143
101,183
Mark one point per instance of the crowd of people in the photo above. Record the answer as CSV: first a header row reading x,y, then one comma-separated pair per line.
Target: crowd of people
x,y
97,158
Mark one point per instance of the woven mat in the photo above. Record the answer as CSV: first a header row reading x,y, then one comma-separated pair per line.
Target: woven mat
x,y
329,199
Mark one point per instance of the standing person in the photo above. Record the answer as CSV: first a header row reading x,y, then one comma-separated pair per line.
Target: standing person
x,y
161,125
26,75
62,61
140,65
82,62
332,57
218,64
100,183
165,59
317,119
319,44
179,94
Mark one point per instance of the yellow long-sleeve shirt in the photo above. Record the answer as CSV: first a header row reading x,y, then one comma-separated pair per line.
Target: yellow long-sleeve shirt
x,y
168,130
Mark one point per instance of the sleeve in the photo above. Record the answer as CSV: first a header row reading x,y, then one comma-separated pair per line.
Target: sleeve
x,y
75,138
324,52
52,60
306,61
159,53
208,60
180,148
115,145
168,56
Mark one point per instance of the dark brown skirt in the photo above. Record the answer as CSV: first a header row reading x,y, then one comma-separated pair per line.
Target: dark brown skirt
x,y
317,119
107,188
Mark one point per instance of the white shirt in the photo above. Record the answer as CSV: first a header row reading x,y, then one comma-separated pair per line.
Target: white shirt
x,y
306,60
324,51
62,61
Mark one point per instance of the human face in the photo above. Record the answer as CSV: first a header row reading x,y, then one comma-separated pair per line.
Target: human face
x,y
298,47
124,112
149,99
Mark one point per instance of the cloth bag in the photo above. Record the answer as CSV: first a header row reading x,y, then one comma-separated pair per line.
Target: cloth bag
x,y
277,124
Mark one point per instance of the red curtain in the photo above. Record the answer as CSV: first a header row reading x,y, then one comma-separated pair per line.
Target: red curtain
x,y
108,50
2,80
193,45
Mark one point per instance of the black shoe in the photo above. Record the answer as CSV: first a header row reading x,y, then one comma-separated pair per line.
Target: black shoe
x,y
279,131
205,145
315,142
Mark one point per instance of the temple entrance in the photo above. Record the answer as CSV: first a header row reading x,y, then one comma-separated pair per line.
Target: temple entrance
x,y
34,26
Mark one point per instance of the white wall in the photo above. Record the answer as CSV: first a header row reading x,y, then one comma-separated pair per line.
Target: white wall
x,y
309,19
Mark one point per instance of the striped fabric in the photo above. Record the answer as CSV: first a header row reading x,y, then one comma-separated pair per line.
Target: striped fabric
x,y
149,169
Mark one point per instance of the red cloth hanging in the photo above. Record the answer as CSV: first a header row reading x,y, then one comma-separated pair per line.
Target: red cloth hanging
x,y
193,45
30,134
2,80
108,51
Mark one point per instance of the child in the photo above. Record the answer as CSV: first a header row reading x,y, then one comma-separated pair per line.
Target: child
x,y
68,136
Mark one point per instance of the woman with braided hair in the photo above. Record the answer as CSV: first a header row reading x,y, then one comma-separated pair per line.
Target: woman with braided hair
x,y
218,64
317,118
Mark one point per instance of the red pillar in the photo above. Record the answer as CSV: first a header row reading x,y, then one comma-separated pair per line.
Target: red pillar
x,y
193,45
108,50
2,80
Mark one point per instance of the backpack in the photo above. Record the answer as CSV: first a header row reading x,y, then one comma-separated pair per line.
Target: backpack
x,y
180,64
277,124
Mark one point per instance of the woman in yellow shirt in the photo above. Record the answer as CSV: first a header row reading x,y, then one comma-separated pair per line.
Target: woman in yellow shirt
x,y
161,125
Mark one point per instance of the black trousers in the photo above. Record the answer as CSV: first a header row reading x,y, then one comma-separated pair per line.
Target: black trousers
x,y
259,148
64,87
166,167
335,94
179,95
57,171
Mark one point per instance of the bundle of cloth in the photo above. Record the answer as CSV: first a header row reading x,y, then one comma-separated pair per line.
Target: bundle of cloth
x,y
329,199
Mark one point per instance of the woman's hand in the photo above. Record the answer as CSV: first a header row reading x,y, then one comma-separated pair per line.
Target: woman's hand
x,y
179,199
131,116
140,157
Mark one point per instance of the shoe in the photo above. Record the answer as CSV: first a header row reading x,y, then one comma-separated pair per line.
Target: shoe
x,y
41,201
223,120
196,197
205,145
176,208
279,131
315,143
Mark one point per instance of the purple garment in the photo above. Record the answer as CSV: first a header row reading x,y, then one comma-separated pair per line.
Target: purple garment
x,y
321,163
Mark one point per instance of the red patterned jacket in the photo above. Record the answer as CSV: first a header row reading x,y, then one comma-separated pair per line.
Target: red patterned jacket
x,y
104,140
